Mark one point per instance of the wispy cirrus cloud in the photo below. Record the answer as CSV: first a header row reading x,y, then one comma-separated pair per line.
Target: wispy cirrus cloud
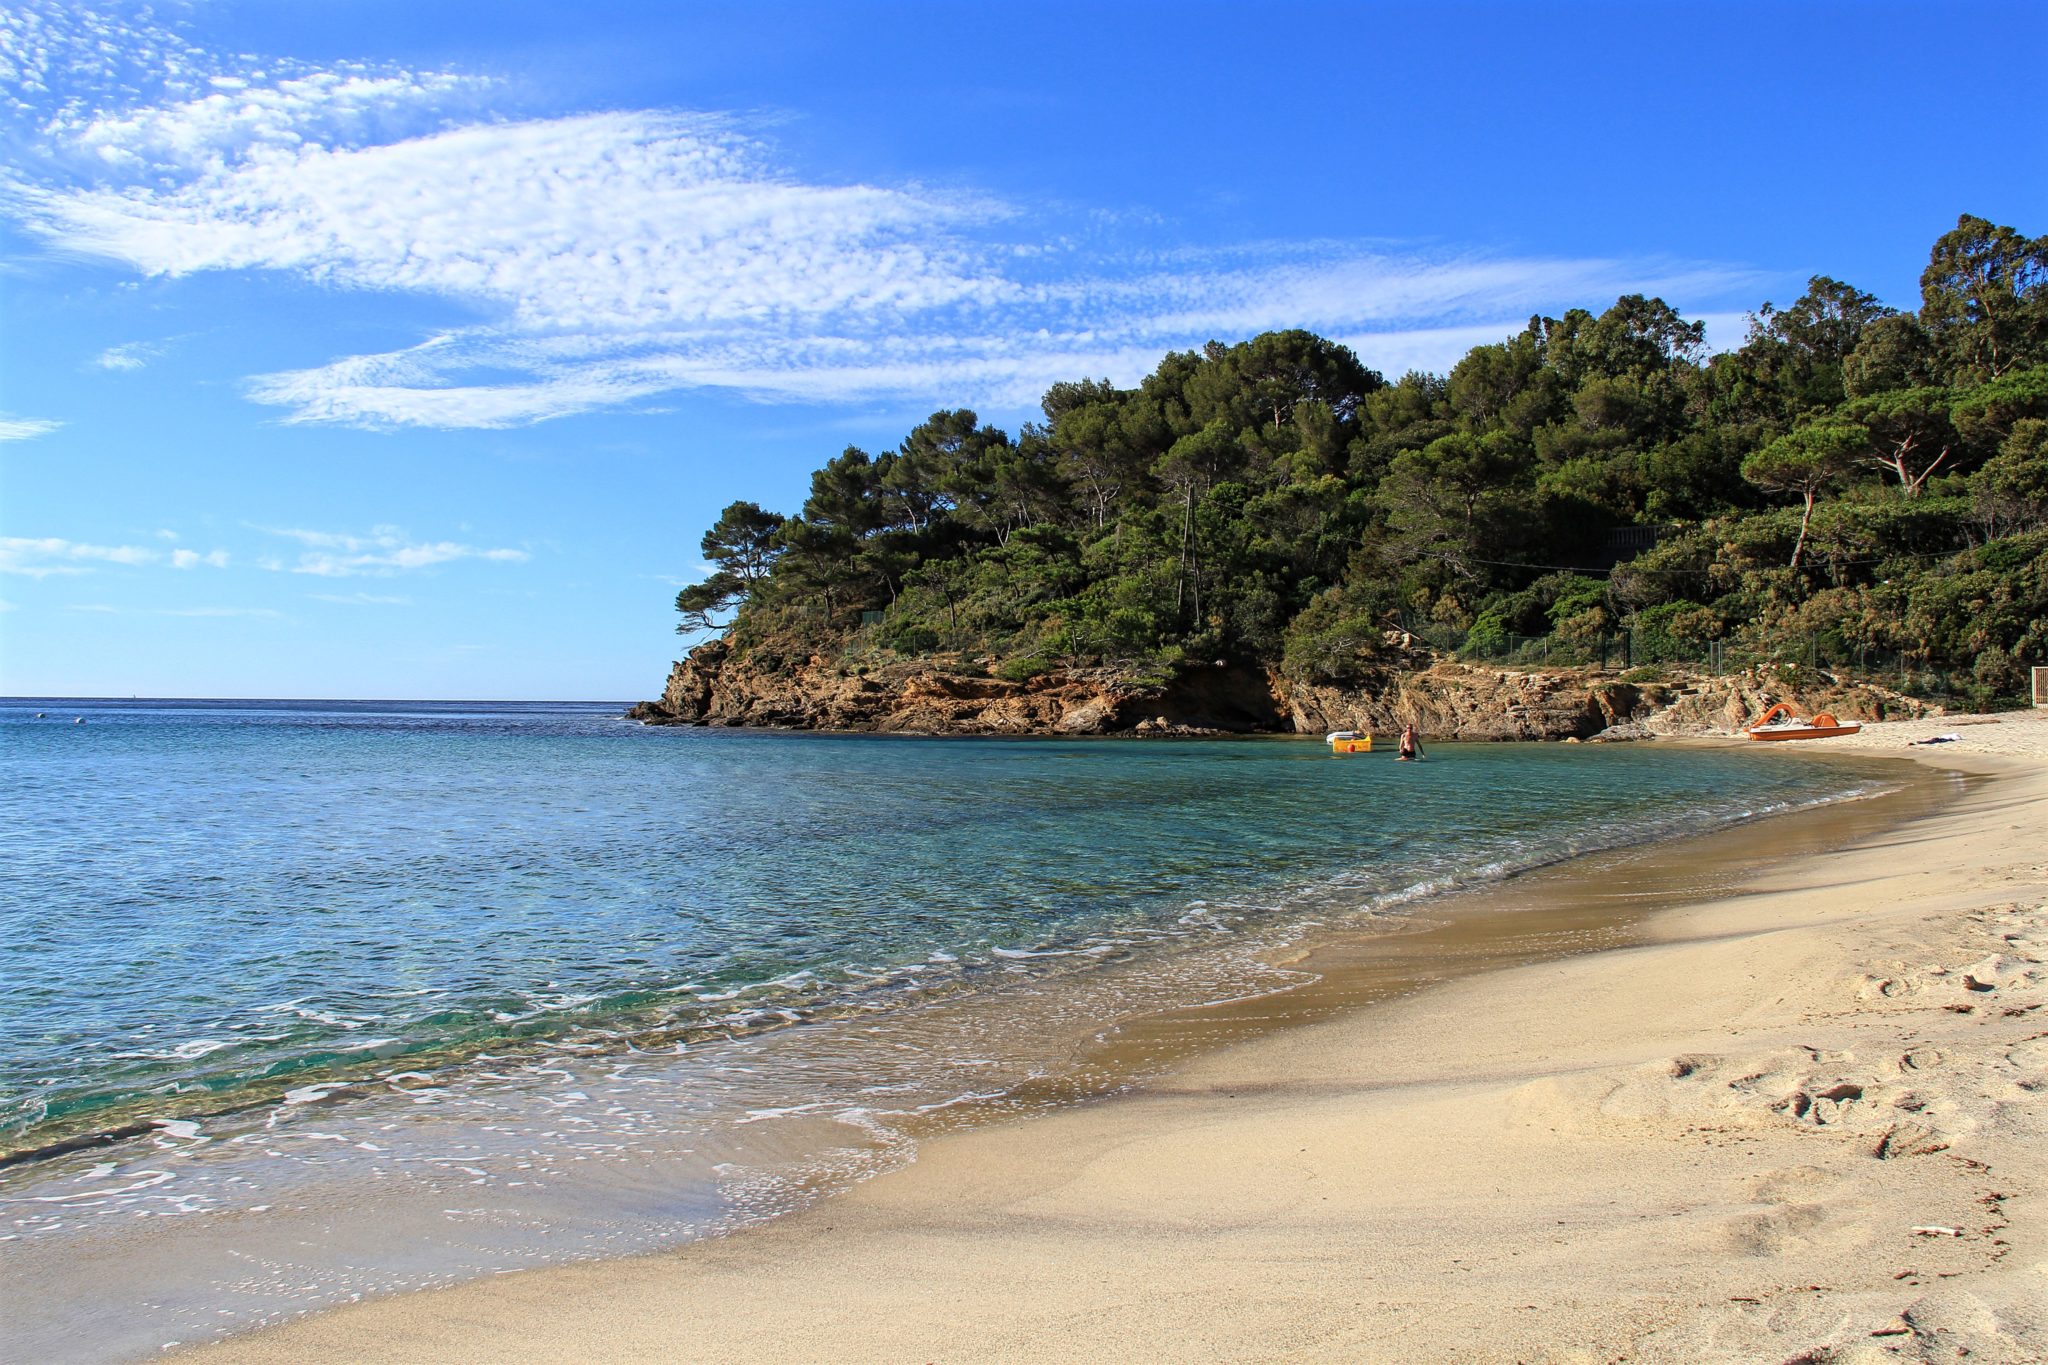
x,y
382,552
25,428
133,355
619,255
44,556
104,609
361,599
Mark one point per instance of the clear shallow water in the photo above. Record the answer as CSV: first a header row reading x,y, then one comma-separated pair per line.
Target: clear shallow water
x,y
209,904
461,987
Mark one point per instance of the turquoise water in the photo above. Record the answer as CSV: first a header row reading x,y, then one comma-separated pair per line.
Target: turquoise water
x,y
301,1002
209,904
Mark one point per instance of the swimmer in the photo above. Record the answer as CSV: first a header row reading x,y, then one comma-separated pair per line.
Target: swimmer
x,y
1411,745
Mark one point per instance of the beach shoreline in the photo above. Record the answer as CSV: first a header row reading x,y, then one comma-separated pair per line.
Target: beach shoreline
x,y
621,1144
1725,1140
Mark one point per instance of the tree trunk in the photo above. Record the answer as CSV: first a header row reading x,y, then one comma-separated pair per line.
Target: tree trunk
x,y
1799,545
1187,525
1100,496
1913,489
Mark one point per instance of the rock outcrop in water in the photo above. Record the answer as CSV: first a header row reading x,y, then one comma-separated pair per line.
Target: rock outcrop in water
x,y
1443,698
713,686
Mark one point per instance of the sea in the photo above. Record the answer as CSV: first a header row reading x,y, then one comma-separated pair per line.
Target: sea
x,y
304,1001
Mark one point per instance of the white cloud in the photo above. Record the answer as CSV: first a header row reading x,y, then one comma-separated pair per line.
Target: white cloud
x,y
361,599
132,355
58,58
384,551
240,118
41,557
25,428
260,613
113,88
334,540
616,256
594,222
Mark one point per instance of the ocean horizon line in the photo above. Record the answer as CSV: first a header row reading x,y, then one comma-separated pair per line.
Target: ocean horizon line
x,y
27,697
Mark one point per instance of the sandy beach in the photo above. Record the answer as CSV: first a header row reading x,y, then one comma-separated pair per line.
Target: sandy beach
x,y
1801,1120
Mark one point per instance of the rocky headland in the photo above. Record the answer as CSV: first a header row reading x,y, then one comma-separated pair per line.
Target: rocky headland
x,y
1443,698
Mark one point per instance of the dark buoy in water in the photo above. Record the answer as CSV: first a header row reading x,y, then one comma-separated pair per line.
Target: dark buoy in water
x,y
39,715
78,720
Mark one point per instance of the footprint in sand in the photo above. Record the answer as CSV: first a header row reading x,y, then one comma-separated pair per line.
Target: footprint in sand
x,y
1910,1138
1793,1184
1822,1106
1774,1231
2031,1057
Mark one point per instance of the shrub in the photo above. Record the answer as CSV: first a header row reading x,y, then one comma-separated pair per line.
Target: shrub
x,y
1023,668
1999,673
1334,639
1678,630
910,638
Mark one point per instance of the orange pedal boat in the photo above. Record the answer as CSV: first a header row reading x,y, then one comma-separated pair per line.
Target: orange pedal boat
x,y
1782,722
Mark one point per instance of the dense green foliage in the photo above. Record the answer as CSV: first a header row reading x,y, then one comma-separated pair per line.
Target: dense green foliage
x,y
1875,478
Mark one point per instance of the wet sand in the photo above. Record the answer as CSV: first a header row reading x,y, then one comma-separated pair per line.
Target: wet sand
x,y
1770,1092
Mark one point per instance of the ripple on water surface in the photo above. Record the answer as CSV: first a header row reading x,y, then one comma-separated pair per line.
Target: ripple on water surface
x,y
521,979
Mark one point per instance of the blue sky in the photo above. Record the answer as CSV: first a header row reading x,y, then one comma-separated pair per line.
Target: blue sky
x,y
405,350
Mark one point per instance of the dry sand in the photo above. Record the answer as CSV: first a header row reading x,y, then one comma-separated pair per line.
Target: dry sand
x,y
1805,1122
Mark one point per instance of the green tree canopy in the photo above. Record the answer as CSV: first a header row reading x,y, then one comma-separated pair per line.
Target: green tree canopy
x,y
1848,471
1984,299
1806,461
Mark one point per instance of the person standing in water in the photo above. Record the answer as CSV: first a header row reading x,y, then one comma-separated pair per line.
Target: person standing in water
x,y
1411,745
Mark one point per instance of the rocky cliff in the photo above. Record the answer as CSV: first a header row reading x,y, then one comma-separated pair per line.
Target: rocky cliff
x,y
1441,698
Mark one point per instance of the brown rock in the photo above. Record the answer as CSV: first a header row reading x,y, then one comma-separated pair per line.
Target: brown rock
x,y
1445,699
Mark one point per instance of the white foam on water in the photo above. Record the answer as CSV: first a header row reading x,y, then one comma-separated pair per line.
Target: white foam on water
x,y
759,1115
386,1046
151,1180
313,1094
970,1097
